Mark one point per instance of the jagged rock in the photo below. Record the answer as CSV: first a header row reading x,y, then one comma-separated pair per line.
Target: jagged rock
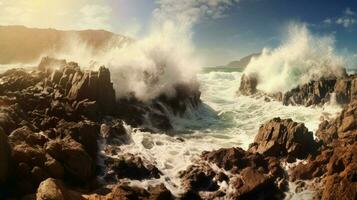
x,y
312,93
284,138
253,185
77,163
132,167
341,128
248,84
250,176
115,134
5,152
87,108
95,86
314,167
52,189
199,178
17,80
85,132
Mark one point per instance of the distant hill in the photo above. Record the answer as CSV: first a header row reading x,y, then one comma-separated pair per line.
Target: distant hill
x,y
19,44
243,62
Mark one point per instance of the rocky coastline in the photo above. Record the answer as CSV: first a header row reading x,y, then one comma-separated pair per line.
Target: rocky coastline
x,y
53,117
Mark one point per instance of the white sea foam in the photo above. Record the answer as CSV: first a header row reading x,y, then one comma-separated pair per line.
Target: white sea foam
x,y
226,120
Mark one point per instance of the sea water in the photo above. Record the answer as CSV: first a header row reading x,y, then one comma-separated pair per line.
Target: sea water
x,y
225,119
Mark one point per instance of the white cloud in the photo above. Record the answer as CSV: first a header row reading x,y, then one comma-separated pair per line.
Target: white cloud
x,y
346,22
192,10
348,11
327,21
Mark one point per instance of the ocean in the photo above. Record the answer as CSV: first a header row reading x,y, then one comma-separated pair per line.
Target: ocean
x,y
225,119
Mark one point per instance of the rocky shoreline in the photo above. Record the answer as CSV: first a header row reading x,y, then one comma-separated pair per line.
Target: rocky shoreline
x,y
53,118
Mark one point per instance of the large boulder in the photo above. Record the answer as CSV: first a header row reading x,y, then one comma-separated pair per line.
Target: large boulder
x,y
284,137
78,164
248,84
132,167
52,189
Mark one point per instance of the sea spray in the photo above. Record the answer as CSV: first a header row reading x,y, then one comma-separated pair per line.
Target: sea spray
x,y
301,57
165,57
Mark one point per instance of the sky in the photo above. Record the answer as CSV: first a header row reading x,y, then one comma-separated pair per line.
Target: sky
x,y
225,30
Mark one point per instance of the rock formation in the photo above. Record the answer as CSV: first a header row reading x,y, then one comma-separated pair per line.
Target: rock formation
x,y
281,138
317,92
51,120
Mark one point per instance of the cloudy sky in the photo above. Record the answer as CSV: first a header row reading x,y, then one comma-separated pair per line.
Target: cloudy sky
x,y
225,30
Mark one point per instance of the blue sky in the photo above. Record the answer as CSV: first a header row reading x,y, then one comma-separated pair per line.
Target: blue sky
x,y
251,25
243,28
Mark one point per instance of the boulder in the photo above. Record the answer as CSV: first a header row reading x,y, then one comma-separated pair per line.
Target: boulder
x,y
248,84
84,132
77,163
284,137
52,189
132,167
115,134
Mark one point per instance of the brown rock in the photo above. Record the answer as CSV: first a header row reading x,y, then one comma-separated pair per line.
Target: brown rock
x,y
282,138
52,189
248,84
78,165
132,167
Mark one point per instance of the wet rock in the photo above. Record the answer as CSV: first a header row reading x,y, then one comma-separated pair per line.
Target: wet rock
x,y
77,163
132,167
199,178
115,134
282,138
342,128
312,93
5,153
248,84
95,86
314,167
52,189
254,185
250,176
